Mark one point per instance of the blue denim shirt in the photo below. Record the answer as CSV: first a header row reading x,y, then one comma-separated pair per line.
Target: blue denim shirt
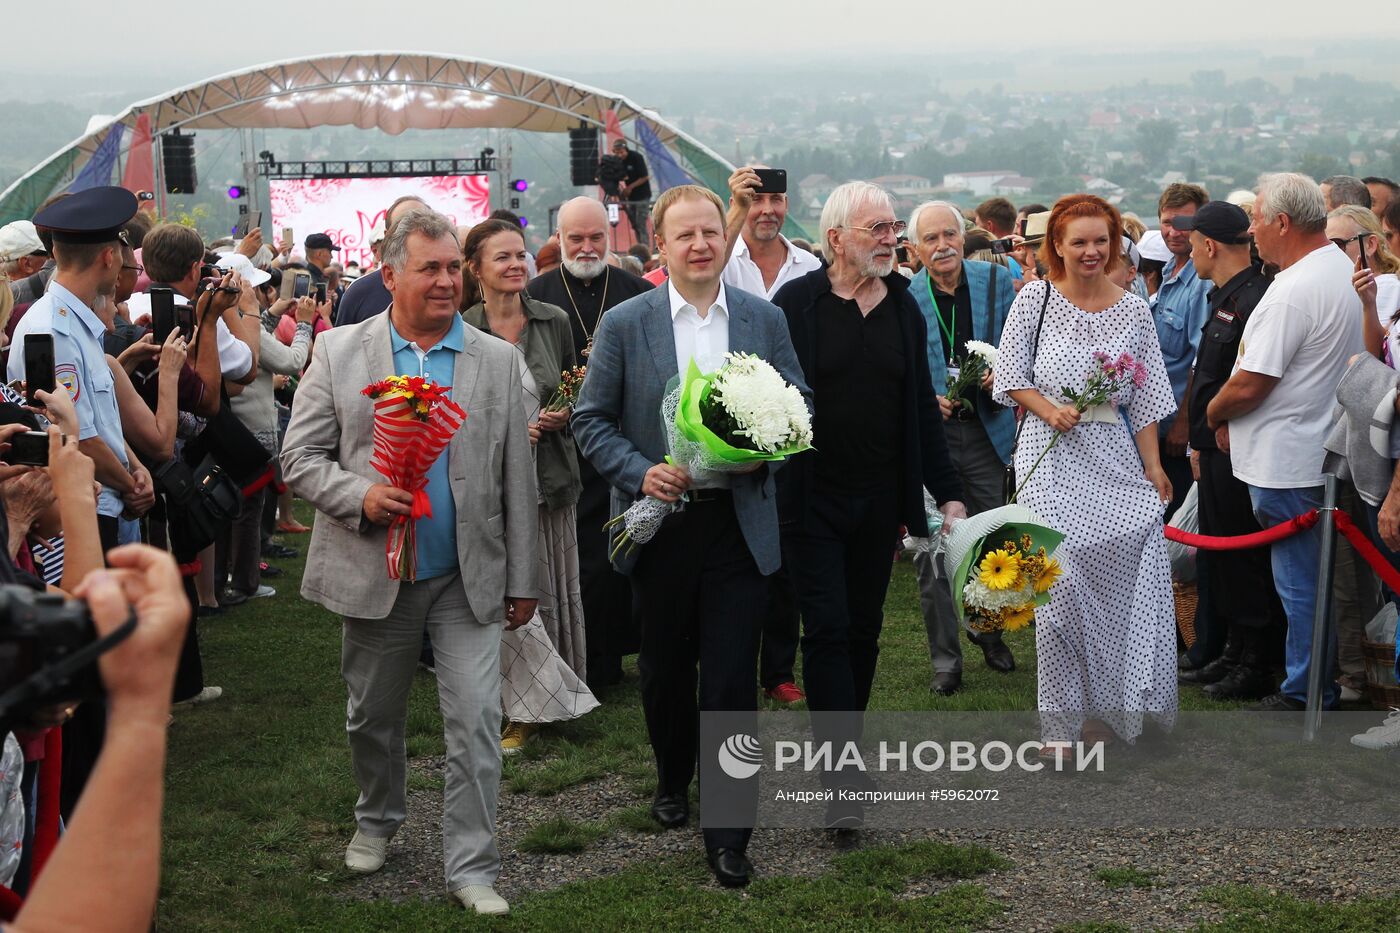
x,y
1180,310
437,536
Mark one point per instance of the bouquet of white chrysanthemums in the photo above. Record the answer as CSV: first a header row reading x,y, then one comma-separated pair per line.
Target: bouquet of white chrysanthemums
x,y
724,422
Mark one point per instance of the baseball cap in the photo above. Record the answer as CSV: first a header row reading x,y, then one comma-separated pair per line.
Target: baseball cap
x,y
321,241
19,239
1219,220
1153,247
237,262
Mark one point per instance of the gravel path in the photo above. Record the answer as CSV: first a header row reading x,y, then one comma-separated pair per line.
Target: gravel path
x,y
1052,879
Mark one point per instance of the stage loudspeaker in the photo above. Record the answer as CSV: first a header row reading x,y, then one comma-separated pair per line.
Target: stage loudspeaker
x,y
177,160
583,156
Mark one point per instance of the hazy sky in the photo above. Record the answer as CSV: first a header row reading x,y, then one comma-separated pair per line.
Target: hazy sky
x,y
188,40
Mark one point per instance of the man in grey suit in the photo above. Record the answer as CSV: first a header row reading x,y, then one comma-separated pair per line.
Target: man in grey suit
x,y
476,553
700,581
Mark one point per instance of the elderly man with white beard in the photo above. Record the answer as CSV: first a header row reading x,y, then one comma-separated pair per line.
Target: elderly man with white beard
x,y
878,441
962,300
586,286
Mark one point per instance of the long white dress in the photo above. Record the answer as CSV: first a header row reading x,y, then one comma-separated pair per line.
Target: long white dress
x,y
1106,641
537,684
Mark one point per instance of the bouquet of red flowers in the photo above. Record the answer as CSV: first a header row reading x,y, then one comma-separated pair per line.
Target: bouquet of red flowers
x,y
414,421
566,393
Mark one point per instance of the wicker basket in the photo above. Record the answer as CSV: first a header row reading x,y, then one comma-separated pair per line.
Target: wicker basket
x,y
1380,674
1186,599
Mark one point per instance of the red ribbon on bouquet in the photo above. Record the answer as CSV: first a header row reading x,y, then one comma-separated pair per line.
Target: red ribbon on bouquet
x,y
414,421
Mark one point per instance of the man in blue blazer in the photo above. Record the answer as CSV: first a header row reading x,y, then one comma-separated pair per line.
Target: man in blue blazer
x,y
961,300
700,581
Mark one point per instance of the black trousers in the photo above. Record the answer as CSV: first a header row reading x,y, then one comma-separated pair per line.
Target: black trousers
x,y
781,627
840,560
609,621
1241,583
703,602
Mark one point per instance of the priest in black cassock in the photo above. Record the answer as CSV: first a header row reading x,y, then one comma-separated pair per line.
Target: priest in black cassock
x,y
585,286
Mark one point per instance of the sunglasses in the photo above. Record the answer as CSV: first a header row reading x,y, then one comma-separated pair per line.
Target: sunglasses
x,y
1341,244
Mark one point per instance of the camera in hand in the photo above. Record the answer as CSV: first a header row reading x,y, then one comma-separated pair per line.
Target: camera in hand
x,y
1003,246
30,448
48,654
201,502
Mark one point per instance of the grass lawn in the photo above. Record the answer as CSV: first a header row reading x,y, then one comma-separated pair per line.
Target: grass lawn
x,y
260,799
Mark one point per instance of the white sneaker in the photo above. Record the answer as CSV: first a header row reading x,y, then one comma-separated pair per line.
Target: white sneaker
x,y
207,695
482,898
1386,735
263,592
365,854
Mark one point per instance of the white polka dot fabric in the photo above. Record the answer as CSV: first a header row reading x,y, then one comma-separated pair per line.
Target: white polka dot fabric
x,y
1106,641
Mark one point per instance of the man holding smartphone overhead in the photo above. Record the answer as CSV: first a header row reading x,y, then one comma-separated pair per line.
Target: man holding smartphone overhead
x,y
761,261
73,314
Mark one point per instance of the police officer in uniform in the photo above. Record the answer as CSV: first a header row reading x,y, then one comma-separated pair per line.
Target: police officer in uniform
x,y
1243,602
77,310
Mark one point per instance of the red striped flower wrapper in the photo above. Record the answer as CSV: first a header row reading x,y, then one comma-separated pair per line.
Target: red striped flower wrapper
x,y
414,420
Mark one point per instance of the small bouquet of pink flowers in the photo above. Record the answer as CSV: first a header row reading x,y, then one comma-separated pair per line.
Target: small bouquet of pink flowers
x,y
1105,381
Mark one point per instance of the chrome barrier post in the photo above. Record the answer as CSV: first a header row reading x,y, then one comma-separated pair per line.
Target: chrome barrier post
x,y
1322,610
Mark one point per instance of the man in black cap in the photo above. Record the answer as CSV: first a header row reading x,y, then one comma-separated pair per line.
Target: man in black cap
x,y
319,247
88,241
1243,604
81,301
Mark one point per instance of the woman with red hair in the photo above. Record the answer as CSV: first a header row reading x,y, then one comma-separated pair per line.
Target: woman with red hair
x,y
1106,641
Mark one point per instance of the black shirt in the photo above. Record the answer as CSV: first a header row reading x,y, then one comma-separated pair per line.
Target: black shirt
x,y
584,301
858,394
636,167
961,319
1230,306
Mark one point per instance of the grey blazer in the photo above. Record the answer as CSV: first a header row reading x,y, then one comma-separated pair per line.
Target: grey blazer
x,y
617,421
325,459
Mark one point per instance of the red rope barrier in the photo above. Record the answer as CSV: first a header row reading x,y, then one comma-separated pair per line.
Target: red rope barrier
x,y
1388,574
1268,536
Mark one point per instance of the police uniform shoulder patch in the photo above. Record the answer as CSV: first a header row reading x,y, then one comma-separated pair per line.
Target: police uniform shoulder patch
x,y
66,375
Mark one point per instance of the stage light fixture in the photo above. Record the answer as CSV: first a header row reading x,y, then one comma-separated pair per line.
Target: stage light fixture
x,y
524,221
520,184
235,192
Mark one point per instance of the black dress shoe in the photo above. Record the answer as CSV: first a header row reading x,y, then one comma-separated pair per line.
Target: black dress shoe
x,y
947,683
998,656
844,838
267,570
731,867
1184,662
279,550
671,811
1209,673
1279,703
1244,682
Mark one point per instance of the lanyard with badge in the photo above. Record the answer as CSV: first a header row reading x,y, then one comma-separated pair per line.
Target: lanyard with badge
x,y
949,331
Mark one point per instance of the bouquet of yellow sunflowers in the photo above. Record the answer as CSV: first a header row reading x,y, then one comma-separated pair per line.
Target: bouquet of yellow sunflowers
x,y
1002,568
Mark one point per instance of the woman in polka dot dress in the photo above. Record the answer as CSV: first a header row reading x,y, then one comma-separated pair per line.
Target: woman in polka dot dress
x,y
1106,641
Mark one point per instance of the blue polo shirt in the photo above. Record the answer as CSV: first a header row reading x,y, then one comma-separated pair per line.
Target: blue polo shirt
x,y
1180,310
437,536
